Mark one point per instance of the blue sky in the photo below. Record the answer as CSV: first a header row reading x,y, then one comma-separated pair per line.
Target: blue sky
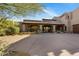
x,y
54,9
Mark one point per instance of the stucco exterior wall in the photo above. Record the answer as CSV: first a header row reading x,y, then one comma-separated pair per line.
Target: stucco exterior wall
x,y
75,17
67,20
70,19
64,20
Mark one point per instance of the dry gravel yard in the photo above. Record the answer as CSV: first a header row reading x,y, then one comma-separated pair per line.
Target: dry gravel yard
x,y
12,39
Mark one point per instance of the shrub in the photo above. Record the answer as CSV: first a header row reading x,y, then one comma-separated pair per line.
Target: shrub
x,y
8,27
3,47
34,29
2,32
17,30
12,30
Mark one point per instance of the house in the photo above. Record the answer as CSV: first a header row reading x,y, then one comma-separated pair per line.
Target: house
x,y
71,21
68,22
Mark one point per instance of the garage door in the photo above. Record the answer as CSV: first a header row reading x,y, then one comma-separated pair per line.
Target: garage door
x,y
76,28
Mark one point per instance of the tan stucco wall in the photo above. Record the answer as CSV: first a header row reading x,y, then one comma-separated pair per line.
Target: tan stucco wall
x,y
64,20
75,18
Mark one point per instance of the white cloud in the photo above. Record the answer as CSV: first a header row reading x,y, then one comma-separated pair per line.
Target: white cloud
x,y
50,13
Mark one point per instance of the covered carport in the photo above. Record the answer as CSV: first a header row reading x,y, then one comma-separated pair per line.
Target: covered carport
x,y
42,26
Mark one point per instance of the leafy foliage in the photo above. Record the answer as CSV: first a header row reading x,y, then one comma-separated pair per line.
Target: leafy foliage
x,y
3,47
8,27
19,9
12,30
35,28
2,32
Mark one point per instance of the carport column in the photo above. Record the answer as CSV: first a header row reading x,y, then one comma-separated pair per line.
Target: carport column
x,y
64,28
23,27
54,28
40,28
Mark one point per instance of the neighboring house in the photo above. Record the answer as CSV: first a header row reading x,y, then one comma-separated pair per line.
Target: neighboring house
x,y
68,22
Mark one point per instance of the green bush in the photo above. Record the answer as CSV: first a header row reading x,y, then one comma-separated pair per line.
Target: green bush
x,y
3,48
8,27
12,30
34,29
17,30
2,32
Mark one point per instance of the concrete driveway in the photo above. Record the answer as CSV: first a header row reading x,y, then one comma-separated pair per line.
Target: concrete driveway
x,y
41,44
